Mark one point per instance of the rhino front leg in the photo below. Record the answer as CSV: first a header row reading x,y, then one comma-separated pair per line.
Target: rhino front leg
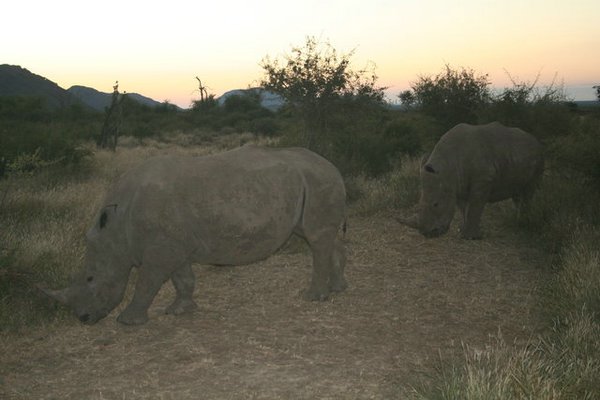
x,y
184,281
477,199
147,286
472,226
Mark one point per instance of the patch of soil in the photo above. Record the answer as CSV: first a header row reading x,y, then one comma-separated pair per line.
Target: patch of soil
x,y
410,302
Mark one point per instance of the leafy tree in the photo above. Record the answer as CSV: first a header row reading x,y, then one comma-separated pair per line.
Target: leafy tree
x,y
317,82
597,91
407,98
452,96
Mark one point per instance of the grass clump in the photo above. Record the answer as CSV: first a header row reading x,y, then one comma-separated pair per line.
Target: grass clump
x,y
396,189
563,363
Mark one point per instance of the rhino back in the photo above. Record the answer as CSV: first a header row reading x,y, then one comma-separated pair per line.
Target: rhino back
x,y
231,208
508,159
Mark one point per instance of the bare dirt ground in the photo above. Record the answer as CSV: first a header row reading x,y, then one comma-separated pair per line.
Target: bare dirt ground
x,y
411,301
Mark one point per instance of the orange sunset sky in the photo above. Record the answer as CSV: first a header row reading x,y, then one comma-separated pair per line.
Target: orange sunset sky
x,y
158,48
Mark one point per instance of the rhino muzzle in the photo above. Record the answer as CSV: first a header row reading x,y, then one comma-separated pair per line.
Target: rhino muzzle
x,y
84,318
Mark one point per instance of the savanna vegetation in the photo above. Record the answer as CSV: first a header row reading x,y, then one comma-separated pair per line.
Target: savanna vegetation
x,y
50,169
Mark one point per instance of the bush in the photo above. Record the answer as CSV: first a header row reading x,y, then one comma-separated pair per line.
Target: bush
x,y
403,137
319,85
398,188
579,150
451,97
541,111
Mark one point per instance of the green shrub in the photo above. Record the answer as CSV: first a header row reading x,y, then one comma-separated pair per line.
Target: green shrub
x,y
579,150
451,97
403,137
396,189
543,112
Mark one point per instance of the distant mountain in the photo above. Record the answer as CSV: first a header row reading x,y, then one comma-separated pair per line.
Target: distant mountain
x,y
269,100
587,103
100,100
17,81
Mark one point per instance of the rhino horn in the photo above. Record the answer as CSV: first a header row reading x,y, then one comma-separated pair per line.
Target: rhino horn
x,y
61,295
412,222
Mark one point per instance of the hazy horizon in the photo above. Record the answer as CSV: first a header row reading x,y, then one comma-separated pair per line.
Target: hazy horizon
x,y
157,50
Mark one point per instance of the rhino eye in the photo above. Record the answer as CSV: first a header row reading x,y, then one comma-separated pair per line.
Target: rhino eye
x,y
429,168
436,204
90,278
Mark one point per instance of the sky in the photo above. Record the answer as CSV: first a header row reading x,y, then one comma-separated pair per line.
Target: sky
x,y
157,48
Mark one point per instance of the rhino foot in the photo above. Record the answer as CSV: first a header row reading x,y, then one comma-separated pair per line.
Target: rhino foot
x,y
315,295
338,286
130,318
181,307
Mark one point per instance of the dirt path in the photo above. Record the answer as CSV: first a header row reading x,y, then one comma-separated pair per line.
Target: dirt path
x,y
410,299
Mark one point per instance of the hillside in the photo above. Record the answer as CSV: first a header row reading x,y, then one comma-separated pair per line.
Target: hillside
x,y
100,100
268,100
18,81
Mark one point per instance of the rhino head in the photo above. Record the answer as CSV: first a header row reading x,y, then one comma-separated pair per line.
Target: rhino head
x,y
100,287
437,202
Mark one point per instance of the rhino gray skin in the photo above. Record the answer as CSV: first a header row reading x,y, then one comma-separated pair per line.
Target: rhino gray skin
x,y
470,166
232,208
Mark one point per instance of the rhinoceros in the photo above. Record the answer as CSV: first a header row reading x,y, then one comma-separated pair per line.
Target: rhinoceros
x,y
232,208
472,165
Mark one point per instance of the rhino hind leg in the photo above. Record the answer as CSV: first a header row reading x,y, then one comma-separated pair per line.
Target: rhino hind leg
x,y
337,282
325,258
523,200
184,281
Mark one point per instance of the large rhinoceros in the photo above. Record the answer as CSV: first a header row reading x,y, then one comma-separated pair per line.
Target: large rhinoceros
x,y
232,208
470,166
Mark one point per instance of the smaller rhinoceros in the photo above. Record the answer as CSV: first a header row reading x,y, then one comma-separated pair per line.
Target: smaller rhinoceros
x,y
470,166
232,208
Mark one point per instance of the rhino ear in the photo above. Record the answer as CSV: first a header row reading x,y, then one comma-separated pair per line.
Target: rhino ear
x,y
429,168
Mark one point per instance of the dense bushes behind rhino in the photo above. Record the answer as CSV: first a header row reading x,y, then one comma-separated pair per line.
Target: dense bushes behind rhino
x,y
232,208
470,166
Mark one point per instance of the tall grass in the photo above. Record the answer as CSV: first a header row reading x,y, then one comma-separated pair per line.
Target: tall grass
x,y
43,224
563,363
396,189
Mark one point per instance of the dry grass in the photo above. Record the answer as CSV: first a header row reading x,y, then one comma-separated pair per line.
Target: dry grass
x,y
563,363
396,189
409,301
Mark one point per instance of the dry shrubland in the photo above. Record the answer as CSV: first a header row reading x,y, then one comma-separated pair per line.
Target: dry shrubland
x,y
44,217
